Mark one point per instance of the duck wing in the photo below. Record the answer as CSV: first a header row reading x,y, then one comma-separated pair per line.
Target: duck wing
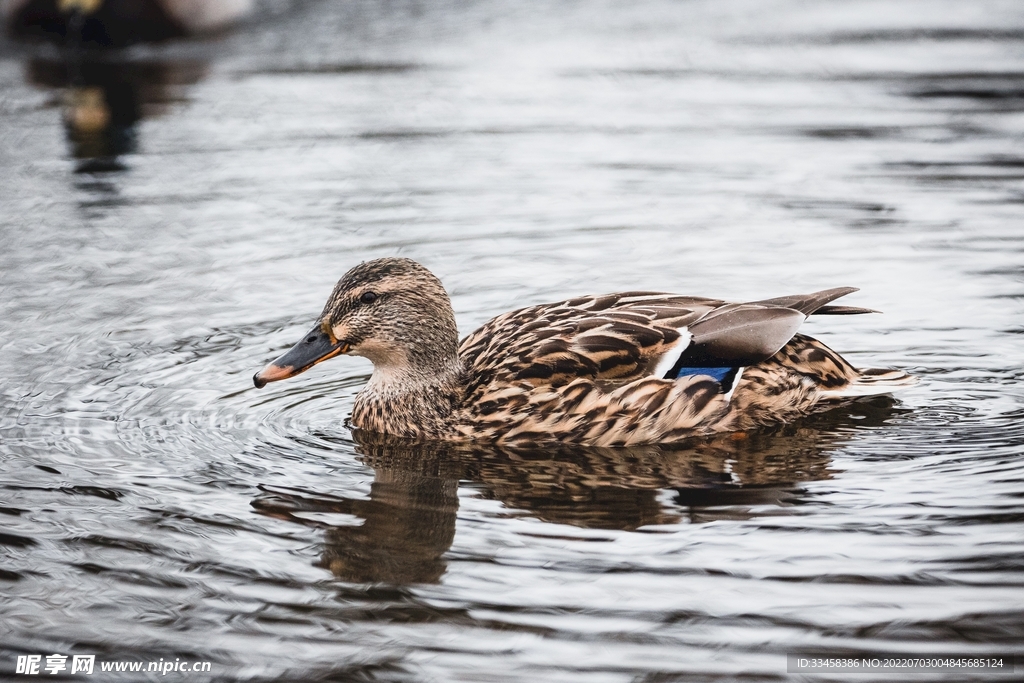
x,y
615,339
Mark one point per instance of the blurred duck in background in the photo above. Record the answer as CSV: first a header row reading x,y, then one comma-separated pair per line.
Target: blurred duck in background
x,y
117,23
105,92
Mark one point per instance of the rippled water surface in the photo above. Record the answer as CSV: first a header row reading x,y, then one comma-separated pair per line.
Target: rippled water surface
x,y
155,505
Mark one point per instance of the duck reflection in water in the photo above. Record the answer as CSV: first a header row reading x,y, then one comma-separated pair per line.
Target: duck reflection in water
x,y
409,519
104,99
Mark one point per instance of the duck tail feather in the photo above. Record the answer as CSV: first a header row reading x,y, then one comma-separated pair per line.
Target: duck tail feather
x,y
843,310
809,303
872,382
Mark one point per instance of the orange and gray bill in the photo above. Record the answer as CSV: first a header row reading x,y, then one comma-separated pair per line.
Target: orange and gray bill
x,y
317,346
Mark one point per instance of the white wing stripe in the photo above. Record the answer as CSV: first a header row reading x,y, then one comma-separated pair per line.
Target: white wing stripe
x,y
735,382
672,354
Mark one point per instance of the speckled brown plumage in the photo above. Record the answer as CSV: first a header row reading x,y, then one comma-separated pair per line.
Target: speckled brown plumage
x,y
608,370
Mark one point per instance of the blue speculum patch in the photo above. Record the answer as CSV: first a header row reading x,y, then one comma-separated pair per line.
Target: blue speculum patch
x,y
719,374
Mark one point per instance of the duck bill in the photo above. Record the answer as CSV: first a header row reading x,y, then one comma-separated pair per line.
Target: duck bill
x,y
316,347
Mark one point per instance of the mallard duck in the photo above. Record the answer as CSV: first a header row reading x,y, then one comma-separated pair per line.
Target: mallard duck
x,y
610,370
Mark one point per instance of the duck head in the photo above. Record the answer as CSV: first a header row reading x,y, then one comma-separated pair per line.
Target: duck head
x,y
392,311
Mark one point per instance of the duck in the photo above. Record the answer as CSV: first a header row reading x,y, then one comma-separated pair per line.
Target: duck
x,y
611,370
117,23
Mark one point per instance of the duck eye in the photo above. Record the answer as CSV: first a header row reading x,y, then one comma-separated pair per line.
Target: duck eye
x,y
368,297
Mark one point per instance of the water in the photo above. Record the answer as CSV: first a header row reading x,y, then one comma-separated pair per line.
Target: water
x,y
155,505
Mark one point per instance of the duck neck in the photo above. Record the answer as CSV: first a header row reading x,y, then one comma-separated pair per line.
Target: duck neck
x,y
412,400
